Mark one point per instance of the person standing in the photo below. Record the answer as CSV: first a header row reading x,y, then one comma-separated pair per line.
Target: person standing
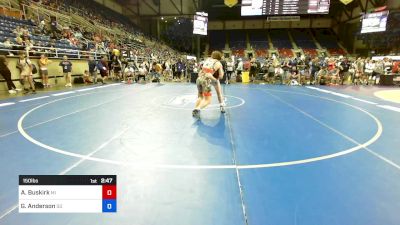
x,y
43,62
369,70
253,69
179,69
102,66
167,70
67,69
25,66
229,70
360,64
223,62
92,69
239,69
116,66
6,73
156,72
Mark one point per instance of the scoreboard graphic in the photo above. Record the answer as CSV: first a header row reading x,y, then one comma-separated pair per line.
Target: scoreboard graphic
x,y
284,7
67,193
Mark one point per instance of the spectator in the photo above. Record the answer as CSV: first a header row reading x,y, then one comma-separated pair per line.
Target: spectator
x,y
43,62
102,66
86,77
322,76
270,73
67,69
18,31
179,70
6,73
369,70
239,67
167,70
116,66
229,70
143,71
253,69
279,73
344,67
20,45
42,25
25,67
293,78
7,45
92,69
157,70
334,78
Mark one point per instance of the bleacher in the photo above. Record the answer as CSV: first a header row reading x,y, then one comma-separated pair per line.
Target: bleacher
x,y
258,39
336,51
237,40
109,24
303,39
326,39
259,42
280,39
238,52
42,43
261,52
310,51
329,41
8,24
217,40
285,52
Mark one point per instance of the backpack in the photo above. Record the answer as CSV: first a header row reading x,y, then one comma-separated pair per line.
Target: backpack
x,y
79,80
239,78
34,69
322,81
38,85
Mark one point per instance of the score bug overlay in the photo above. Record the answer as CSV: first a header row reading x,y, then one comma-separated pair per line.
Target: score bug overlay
x,y
67,193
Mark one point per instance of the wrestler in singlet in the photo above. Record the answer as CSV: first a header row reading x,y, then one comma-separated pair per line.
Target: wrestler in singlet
x,y
209,74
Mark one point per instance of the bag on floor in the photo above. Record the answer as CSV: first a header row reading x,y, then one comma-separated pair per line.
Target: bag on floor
x,y
322,81
34,69
79,80
38,85
239,78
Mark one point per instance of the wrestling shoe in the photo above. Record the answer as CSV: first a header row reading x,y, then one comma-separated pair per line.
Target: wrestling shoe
x,y
222,108
196,113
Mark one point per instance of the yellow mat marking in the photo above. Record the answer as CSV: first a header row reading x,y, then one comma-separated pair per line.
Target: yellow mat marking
x,y
389,95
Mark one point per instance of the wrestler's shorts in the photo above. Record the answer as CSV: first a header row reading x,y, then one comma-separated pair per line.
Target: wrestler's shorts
x,y
204,85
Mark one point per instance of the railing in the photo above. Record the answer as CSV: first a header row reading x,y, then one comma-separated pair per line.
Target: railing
x,y
58,53
39,10
6,3
9,11
51,52
67,15
79,16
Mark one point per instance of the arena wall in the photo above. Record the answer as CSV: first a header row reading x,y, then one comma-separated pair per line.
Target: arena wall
x,y
78,67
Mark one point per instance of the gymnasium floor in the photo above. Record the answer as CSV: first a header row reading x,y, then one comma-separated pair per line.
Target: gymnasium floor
x,y
280,155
